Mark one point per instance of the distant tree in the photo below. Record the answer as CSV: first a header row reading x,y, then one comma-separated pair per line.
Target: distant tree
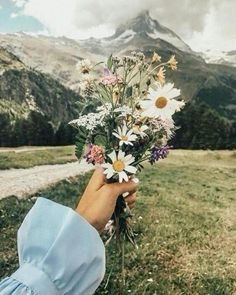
x,y
5,130
232,137
19,133
201,128
39,130
65,134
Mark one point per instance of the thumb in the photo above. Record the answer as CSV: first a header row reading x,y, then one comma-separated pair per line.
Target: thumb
x,y
97,180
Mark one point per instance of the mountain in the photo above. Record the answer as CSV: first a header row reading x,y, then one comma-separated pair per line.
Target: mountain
x,y
199,81
25,92
137,33
58,56
54,56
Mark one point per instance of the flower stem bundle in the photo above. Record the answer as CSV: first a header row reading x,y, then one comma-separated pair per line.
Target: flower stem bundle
x,y
126,119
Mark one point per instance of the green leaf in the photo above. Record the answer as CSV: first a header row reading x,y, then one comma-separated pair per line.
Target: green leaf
x,y
100,140
79,146
109,62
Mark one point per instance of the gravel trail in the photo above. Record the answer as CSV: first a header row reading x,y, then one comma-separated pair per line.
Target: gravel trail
x,y
25,182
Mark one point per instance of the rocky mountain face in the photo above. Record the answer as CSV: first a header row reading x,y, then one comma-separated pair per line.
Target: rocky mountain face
x,y
210,83
24,90
136,34
54,56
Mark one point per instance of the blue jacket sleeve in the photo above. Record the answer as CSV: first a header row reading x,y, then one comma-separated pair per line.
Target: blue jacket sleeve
x,y
59,253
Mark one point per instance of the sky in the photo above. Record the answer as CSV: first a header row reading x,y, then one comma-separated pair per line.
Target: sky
x,y
202,24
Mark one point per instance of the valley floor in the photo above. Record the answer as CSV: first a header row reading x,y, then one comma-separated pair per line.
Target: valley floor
x,y
184,219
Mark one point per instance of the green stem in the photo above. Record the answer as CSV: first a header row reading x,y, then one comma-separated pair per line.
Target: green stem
x,y
123,262
160,65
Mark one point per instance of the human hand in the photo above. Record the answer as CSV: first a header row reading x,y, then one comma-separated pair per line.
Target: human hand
x,y
99,199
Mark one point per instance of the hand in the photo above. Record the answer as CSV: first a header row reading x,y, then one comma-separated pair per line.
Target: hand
x,y
99,199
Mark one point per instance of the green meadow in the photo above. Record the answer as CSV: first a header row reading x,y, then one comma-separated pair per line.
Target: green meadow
x,y
17,158
184,219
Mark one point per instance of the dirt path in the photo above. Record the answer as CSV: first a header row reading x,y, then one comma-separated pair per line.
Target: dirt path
x,y
28,148
24,182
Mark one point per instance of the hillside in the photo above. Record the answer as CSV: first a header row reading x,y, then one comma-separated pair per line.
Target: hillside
x,y
54,56
33,106
23,90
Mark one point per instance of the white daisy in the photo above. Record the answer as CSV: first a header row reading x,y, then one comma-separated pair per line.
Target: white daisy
x,y
140,130
120,165
160,102
125,136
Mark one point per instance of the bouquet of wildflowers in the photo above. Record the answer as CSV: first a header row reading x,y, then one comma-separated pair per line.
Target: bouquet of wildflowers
x,y
126,119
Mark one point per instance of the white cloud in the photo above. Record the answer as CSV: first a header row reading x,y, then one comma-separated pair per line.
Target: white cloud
x,y
219,31
203,23
13,15
80,19
0,6
19,3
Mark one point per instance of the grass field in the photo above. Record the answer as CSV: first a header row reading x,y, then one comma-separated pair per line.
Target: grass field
x,y
185,220
32,157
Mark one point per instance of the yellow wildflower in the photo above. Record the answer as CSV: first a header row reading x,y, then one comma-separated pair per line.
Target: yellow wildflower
x,y
172,63
156,57
160,76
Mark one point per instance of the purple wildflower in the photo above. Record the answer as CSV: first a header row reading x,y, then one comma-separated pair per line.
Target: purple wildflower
x,y
158,153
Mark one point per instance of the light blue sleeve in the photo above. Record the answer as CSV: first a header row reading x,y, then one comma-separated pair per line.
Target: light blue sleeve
x,y
59,253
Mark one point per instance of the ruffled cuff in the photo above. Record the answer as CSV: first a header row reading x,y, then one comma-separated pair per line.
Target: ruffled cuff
x,y
59,252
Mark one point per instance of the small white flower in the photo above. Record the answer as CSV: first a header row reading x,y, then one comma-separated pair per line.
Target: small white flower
x,y
140,130
89,121
105,109
167,125
150,280
109,226
84,66
120,165
125,136
124,110
160,102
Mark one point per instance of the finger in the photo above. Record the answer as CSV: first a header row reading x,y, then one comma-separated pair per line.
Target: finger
x,y
131,199
120,188
97,180
127,194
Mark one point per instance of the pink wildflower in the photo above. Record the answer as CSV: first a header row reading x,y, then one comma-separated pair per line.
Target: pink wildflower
x,y
109,79
94,154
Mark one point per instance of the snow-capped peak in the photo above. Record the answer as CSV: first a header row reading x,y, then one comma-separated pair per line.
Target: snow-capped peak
x,y
144,25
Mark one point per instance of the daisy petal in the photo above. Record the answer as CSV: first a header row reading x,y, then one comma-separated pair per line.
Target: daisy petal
x,y
112,156
131,169
124,176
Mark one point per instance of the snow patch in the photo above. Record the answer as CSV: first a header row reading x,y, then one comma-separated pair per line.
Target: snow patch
x,y
219,57
170,39
126,36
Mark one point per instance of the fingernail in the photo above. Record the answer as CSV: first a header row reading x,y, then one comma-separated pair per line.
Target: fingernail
x,y
135,180
125,195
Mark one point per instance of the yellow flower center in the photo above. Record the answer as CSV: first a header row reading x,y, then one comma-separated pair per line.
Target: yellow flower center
x,y
124,137
161,102
118,166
